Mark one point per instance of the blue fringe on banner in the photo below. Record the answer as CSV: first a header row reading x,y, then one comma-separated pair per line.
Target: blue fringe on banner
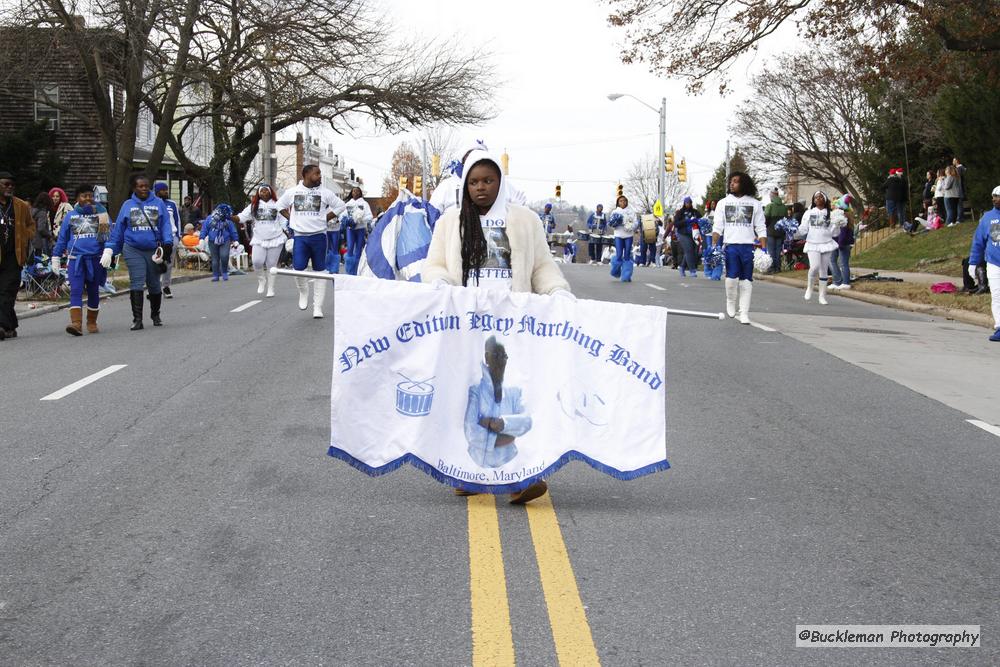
x,y
495,489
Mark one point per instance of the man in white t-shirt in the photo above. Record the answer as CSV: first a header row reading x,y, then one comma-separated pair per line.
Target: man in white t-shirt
x,y
739,217
310,210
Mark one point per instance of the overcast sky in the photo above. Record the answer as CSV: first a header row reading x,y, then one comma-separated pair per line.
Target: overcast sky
x,y
560,60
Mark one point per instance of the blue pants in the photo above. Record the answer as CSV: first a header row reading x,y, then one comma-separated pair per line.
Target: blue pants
x,y
86,273
220,258
332,252
739,261
898,209
355,246
142,270
840,266
308,248
951,209
774,246
623,249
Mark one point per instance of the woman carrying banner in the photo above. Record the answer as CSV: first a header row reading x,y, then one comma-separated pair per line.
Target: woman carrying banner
x,y
487,241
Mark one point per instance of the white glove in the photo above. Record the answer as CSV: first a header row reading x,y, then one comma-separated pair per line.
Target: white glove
x,y
106,257
972,270
564,294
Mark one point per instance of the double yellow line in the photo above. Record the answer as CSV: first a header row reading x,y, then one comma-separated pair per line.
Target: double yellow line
x,y
492,639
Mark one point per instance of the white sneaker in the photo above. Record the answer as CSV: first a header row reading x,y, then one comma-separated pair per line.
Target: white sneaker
x,y
845,286
834,287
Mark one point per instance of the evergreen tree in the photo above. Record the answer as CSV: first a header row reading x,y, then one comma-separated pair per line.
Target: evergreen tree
x,y
716,188
30,155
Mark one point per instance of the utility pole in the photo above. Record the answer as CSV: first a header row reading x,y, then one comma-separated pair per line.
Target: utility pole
x,y
728,170
662,180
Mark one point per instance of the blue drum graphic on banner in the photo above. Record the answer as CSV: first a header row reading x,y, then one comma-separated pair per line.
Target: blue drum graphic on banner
x,y
414,398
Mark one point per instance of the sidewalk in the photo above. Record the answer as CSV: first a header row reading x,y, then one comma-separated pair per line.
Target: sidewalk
x,y
797,279
26,309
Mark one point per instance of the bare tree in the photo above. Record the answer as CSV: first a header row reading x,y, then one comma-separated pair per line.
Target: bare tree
x,y
642,187
405,162
660,33
800,120
217,67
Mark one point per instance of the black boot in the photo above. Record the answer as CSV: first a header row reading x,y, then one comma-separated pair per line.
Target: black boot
x,y
135,296
154,309
981,279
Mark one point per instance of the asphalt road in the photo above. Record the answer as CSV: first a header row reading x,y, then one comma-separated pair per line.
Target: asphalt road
x,y
182,510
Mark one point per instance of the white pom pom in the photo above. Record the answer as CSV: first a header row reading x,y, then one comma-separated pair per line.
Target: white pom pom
x,y
289,244
761,261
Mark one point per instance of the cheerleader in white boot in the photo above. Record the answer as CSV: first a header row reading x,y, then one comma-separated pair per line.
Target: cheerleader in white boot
x,y
267,235
819,230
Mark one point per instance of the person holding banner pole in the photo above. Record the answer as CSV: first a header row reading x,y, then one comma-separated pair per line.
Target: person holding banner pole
x,y
489,242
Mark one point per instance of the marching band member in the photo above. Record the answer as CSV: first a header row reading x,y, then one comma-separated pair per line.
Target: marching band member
x,y
624,221
268,234
489,241
82,235
739,217
356,220
819,229
309,208
142,233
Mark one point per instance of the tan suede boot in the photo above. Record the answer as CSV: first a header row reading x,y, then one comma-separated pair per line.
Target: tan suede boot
x,y
75,326
92,320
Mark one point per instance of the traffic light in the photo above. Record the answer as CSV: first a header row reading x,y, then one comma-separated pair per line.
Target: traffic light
x,y
418,185
558,191
435,165
682,171
402,181
505,163
668,160
621,191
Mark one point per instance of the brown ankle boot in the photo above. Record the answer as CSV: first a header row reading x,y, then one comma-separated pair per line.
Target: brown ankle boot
x,y
75,321
92,320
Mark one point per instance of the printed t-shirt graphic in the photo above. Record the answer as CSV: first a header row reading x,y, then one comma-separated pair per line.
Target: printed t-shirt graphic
x,y
84,226
995,233
739,214
307,203
818,220
150,221
496,272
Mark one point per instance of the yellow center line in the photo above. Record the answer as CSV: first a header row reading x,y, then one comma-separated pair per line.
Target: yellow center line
x,y
492,640
570,631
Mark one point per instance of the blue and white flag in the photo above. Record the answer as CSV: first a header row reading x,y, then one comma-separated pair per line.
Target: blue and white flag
x,y
399,241
491,390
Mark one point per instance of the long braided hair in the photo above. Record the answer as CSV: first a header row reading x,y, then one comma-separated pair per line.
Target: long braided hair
x,y
471,231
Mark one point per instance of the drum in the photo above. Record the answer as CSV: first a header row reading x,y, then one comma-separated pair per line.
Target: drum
x,y
413,399
583,236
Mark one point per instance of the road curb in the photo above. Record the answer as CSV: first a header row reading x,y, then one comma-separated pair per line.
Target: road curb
x,y
977,319
44,310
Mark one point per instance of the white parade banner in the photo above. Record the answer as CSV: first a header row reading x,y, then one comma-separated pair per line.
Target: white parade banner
x,y
490,390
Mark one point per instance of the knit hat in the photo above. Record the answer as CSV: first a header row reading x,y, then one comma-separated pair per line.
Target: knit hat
x,y
160,185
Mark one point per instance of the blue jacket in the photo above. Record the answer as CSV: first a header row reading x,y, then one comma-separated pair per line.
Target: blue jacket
x,y
218,231
597,225
986,239
80,233
141,224
683,219
548,222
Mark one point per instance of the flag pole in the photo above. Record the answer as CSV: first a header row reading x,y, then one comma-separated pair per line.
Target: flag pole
x,y
323,275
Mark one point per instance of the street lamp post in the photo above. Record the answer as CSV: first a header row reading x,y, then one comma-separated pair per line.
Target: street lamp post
x,y
661,172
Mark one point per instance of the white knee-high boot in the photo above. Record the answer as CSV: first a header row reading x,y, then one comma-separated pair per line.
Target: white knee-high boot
x,y
809,286
319,290
822,291
261,280
732,289
746,289
270,284
303,285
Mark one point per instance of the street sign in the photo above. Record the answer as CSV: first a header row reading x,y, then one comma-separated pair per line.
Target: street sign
x,y
658,209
